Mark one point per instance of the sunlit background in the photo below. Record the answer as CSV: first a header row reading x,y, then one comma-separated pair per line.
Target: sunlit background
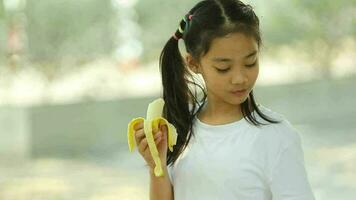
x,y
74,73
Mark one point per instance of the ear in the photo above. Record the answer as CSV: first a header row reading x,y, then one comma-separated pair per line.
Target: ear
x,y
192,64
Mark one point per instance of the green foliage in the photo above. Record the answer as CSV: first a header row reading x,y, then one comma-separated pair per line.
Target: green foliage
x,y
78,29
2,31
159,19
292,21
2,11
282,22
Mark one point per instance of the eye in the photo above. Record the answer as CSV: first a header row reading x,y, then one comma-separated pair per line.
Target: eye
x,y
251,65
222,70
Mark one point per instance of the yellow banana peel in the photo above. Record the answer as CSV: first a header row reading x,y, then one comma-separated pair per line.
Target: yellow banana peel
x,y
153,120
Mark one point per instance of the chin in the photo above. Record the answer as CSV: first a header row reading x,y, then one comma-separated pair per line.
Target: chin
x,y
238,101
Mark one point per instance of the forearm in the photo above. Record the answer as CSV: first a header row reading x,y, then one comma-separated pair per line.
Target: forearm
x,y
160,187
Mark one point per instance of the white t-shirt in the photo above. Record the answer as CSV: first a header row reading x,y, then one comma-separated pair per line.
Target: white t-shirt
x,y
239,161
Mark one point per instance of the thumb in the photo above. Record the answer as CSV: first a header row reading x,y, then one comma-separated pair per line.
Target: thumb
x,y
164,130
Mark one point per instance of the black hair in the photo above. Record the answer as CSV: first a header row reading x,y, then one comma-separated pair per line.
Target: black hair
x,y
211,19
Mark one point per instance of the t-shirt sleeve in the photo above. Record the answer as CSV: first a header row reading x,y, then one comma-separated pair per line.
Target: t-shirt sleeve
x,y
289,179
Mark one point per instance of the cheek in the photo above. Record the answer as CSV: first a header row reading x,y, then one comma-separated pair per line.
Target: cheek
x,y
213,81
253,74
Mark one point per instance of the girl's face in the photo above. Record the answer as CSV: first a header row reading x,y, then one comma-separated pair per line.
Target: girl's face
x,y
230,65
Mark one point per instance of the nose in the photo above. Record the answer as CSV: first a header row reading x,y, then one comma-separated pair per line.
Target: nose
x,y
239,78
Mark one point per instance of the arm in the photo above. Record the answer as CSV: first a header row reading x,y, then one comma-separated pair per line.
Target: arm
x,y
160,187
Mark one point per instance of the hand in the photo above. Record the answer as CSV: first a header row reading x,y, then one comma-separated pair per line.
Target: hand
x,y
160,137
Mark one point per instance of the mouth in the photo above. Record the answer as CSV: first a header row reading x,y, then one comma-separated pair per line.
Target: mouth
x,y
239,92
242,90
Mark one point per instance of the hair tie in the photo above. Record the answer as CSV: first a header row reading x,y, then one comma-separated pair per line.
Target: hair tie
x,y
186,19
180,30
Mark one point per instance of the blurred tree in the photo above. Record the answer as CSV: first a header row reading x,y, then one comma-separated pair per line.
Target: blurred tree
x,y
314,27
69,30
2,31
319,26
13,33
129,49
159,20
2,11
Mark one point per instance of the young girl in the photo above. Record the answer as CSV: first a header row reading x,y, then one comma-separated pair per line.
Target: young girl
x,y
228,146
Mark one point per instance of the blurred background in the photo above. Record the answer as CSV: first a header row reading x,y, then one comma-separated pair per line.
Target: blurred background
x,y
74,73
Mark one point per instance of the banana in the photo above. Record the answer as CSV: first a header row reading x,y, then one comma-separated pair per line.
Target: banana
x,y
153,120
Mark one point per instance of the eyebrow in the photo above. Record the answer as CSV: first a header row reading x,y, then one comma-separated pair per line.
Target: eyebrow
x,y
219,59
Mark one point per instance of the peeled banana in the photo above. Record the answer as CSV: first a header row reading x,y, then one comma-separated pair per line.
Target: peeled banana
x,y
153,120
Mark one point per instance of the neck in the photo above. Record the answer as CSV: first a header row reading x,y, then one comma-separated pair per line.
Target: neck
x,y
220,113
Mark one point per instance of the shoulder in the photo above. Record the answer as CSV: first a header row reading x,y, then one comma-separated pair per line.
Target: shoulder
x,y
274,139
277,135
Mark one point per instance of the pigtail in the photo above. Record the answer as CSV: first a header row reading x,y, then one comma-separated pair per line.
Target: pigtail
x,y
175,93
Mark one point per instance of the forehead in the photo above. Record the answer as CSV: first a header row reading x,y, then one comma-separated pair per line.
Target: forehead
x,y
234,45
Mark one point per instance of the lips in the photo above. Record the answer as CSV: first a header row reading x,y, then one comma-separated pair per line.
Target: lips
x,y
237,91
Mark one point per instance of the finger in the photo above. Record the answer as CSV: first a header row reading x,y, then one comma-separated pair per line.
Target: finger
x,y
139,135
164,128
158,134
158,140
164,131
155,130
143,145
